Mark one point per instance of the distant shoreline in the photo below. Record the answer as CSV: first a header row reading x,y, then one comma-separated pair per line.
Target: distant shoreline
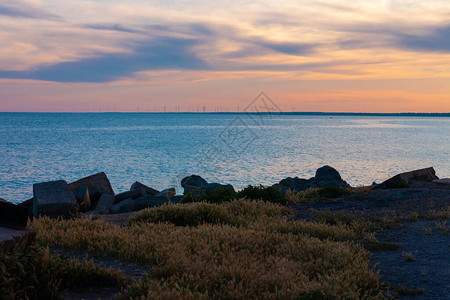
x,y
264,113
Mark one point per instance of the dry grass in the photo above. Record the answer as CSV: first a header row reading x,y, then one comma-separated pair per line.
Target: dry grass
x,y
237,250
38,274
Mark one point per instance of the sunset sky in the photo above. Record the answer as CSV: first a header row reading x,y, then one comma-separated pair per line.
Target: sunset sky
x,y
110,55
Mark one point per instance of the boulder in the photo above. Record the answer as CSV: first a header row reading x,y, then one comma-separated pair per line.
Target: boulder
x,y
167,193
97,185
133,194
13,216
193,184
404,180
328,176
53,199
106,201
150,201
212,187
83,199
148,190
127,205
15,240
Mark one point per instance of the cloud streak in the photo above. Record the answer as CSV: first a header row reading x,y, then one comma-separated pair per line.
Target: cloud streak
x,y
23,9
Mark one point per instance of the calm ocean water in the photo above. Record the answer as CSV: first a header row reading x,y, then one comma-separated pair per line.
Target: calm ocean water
x,y
160,149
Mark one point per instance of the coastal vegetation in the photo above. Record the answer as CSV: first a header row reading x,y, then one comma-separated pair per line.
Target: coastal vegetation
x,y
39,274
235,250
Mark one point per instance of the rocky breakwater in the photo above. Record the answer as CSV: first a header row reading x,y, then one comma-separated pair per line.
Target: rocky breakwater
x,y
92,195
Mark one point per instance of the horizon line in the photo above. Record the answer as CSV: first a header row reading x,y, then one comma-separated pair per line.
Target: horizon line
x,y
418,114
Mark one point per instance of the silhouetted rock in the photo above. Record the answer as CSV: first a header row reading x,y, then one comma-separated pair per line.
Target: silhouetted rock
x,y
133,194
328,176
148,190
193,184
405,180
97,185
167,193
12,215
82,196
53,199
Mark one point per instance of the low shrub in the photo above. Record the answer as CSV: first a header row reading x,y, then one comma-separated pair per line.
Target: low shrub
x,y
265,193
193,214
329,192
38,274
236,213
217,196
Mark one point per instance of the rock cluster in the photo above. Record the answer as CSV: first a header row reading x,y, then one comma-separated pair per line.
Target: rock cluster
x,y
93,195
198,186
325,176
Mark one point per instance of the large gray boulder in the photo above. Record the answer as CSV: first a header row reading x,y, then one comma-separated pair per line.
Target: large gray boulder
x,y
97,185
53,199
148,190
405,180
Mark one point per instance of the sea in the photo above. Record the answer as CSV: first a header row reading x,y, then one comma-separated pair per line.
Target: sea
x,y
159,149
